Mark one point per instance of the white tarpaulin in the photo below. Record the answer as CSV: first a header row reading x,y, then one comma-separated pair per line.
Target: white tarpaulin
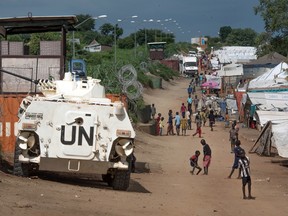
x,y
279,129
274,116
231,70
269,100
274,78
232,54
280,137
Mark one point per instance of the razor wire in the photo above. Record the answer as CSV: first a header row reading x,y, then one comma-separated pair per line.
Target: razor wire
x,y
127,76
144,67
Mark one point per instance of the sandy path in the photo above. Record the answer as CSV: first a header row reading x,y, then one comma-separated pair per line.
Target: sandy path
x,y
169,189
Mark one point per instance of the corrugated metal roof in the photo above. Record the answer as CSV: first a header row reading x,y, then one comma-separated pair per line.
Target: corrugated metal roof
x,y
271,58
34,24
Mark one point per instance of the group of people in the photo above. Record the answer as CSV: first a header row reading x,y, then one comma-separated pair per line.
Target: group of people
x,y
183,122
241,162
206,159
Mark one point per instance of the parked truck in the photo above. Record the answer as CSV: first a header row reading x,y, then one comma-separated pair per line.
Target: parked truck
x,y
188,65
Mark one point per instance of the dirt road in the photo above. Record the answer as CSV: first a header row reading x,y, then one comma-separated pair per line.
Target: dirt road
x,y
169,189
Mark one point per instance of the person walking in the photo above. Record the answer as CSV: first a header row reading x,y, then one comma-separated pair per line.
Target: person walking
x,y
196,101
194,162
177,123
183,110
203,115
158,123
170,130
211,118
189,122
198,129
206,156
153,111
189,103
161,126
189,89
233,137
237,151
184,125
244,164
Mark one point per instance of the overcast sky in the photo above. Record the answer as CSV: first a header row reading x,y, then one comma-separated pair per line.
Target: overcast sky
x,y
193,17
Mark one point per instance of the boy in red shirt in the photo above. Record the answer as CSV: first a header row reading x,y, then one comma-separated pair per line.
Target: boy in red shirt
x,y
194,163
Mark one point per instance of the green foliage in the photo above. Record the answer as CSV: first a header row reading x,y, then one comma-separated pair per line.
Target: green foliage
x,y
214,42
126,43
275,16
107,29
85,22
241,37
158,69
224,32
263,43
178,48
35,39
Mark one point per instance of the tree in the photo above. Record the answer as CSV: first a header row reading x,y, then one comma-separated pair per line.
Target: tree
x,y
263,42
107,33
275,16
88,23
126,43
224,32
107,29
36,38
241,37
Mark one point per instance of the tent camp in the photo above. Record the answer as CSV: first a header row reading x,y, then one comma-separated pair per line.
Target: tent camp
x,y
269,101
276,78
268,98
274,134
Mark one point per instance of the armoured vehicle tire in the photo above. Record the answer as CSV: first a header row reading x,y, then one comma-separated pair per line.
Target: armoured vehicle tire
x,y
19,168
121,180
108,179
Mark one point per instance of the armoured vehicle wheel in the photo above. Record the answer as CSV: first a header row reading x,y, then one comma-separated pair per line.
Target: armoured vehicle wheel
x,y
121,180
108,179
20,169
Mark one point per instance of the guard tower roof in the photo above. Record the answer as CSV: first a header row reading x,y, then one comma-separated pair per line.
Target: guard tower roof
x,y
36,24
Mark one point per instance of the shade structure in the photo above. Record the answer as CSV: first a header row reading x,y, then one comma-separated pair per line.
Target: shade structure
x,y
210,84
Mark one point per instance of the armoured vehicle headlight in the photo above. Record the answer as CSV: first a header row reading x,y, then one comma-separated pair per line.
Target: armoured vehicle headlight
x,y
124,147
29,126
123,133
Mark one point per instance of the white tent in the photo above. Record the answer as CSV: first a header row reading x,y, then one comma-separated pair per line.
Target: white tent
x,y
279,130
275,78
233,54
269,100
274,116
231,70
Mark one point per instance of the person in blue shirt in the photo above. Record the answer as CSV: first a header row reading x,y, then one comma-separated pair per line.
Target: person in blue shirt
x,y
189,102
237,151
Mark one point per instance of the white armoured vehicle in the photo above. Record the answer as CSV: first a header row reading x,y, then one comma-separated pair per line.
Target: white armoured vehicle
x,y
75,129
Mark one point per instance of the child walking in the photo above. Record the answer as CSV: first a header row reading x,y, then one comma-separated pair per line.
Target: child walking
x,y
194,163
198,130
244,164
237,151
161,126
184,125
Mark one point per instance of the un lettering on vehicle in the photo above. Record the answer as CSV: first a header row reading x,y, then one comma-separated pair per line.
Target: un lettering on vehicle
x,y
83,135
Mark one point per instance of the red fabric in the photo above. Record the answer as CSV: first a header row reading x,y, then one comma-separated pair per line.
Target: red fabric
x,y
207,161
